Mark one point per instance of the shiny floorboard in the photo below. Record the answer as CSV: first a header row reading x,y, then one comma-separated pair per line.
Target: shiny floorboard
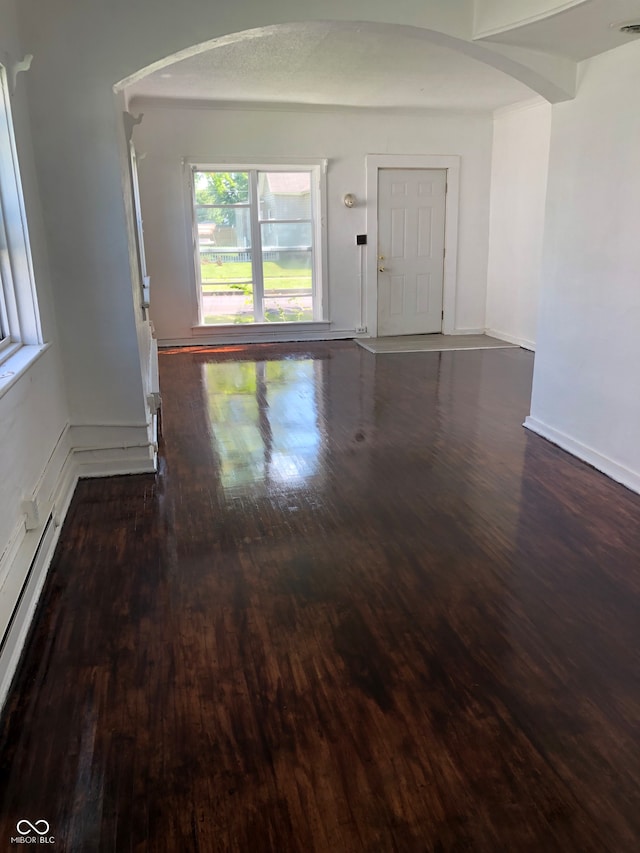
x,y
360,608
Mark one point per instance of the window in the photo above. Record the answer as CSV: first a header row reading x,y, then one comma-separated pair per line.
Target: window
x,y
19,320
257,238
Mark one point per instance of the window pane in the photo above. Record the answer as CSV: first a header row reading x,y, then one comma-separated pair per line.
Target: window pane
x,y
227,301
287,279
224,239
223,228
287,308
287,271
286,235
221,187
230,267
284,195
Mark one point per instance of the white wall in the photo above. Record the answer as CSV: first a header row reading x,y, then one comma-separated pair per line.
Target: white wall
x,y
586,391
81,50
33,410
345,137
518,190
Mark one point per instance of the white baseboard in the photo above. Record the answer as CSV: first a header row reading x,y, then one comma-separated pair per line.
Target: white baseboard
x,y
55,488
464,332
104,450
512,339
9,557
617,472
81,451
110,462
279,337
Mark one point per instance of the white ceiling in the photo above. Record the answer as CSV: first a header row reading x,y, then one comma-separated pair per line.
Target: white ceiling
x,y
336,64
578,32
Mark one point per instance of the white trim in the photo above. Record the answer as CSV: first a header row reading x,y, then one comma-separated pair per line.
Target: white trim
x,y
191,236
257,258
110,462
55,486
512,339
521,106
232,164
108,436
17,362
65,485
451,163
466,332
321,251
286,335
7,346
102,450
147,102
620,473
9,555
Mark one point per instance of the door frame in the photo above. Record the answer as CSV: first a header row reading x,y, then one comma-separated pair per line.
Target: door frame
x,y
375,162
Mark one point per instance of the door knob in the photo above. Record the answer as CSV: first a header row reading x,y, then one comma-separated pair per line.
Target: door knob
x,y
381,269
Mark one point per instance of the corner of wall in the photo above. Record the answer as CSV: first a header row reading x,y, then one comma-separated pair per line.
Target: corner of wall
x,y
619,473
103,450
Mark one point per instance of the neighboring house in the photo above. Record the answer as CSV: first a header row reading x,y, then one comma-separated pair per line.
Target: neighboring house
x,y
285,196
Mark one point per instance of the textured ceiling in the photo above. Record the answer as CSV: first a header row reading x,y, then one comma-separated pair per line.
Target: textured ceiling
x,y
330,63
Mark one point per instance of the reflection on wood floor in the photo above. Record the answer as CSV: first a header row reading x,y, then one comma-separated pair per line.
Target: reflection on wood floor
x,y
359,609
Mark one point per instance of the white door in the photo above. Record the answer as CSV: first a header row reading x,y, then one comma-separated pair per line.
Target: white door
x,y
411,205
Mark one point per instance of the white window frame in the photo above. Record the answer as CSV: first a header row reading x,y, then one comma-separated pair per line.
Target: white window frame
x,y
318,170
19,314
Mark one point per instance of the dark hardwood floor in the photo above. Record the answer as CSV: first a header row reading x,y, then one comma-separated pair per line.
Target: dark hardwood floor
x,y
359,609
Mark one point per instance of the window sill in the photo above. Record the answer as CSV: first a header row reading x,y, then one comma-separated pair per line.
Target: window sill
x,y
17,364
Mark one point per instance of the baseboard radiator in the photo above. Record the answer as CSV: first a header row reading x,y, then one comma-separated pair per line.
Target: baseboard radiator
x,y
23,588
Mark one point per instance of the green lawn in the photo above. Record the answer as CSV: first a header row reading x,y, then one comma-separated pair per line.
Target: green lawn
x,y
218,277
